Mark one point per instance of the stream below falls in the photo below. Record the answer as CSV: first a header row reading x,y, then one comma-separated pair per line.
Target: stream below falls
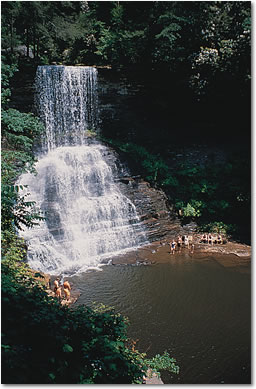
x,y
198,311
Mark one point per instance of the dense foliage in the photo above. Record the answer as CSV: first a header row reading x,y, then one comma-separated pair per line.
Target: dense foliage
x,y
205,41
19,131
45,343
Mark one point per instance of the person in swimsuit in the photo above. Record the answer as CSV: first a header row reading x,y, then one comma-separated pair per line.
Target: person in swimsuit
x,y
67,289
179,243
57,288
186,240
204,238
214,239
173,246
190,240
210,239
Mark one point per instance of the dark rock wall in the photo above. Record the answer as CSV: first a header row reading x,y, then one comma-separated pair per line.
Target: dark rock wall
x,y
151,205
121,105
145,106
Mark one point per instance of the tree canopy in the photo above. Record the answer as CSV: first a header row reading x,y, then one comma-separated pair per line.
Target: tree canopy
x,y
194,35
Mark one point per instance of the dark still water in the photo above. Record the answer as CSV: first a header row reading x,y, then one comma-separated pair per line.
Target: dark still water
x,y
198,311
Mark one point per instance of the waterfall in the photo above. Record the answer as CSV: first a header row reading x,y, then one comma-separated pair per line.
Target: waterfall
x,y
88,219
66,101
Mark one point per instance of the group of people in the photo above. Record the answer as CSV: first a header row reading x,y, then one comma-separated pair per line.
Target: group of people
x,y
211,239
58,284
185,241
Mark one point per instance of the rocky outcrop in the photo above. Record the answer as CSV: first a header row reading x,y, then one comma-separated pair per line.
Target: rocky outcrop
x,y
46,280
151,205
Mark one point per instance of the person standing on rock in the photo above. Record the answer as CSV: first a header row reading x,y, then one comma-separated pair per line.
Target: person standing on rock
x,y
192,248
190,240
57,288
179,243
172,247
204,238
219,239
67,289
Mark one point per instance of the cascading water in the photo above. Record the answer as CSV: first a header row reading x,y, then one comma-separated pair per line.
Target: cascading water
x,y
66,101
88,219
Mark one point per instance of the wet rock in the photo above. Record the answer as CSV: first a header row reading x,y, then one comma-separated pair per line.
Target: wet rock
x,y
126,180
152,207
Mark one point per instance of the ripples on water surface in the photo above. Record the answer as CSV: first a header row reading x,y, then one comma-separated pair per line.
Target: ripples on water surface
x,y
198,311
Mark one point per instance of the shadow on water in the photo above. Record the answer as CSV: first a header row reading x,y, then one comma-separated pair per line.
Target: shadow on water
x,y
198,311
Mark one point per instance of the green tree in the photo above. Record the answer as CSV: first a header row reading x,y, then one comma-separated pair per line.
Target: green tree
x,y
225,49
7,72
19,131
10,11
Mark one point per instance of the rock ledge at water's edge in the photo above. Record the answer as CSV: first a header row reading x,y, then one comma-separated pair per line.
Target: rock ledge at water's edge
x,y
162,226
230,254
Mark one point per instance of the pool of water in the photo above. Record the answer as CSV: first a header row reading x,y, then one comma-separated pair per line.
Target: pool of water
x,y
199,311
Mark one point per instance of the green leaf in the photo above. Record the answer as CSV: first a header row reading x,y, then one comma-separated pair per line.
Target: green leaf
x,y
39,275
5,347
67,348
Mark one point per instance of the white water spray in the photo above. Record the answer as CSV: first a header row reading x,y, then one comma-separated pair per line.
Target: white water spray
x,y
88,219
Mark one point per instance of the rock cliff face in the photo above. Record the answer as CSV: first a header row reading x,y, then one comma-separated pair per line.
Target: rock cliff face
x,y
131,106
151,205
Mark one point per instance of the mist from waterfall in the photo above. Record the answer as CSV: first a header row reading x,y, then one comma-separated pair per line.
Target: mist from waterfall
x,y
88,219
